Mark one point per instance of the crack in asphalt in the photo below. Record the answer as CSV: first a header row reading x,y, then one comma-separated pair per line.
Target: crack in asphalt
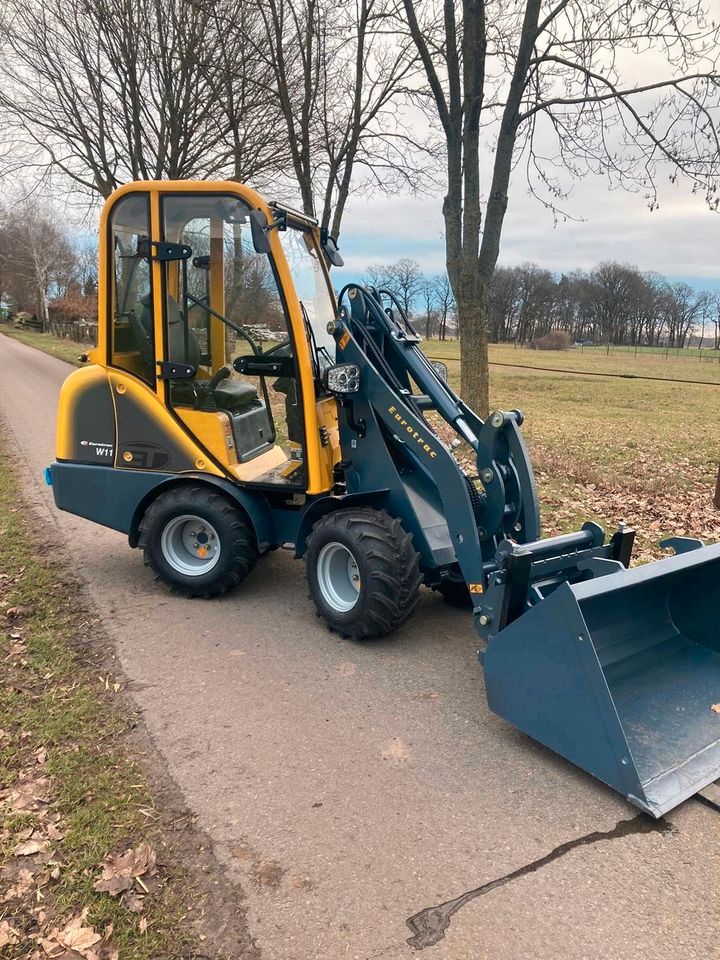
x,y
429,925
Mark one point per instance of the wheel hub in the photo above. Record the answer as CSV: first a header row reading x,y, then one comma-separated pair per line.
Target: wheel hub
x,y
338,577
190,545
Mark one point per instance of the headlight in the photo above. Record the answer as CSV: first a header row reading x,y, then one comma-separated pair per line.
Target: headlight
x,y
343,378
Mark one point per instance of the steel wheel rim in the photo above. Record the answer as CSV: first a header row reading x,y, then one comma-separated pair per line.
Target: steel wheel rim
x,y
338,577
190,545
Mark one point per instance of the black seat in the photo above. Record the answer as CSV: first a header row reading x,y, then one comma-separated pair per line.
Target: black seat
x,y
234,396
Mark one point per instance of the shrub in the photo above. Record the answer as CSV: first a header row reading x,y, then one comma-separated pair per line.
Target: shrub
x,y
555,340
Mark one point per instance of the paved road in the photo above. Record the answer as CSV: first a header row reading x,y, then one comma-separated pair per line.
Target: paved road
x,y
350,787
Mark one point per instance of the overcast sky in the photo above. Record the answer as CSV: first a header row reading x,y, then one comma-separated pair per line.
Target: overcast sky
x,y
680,240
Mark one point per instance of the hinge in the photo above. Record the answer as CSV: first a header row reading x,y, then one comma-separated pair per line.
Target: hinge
x,y
175,371
163,250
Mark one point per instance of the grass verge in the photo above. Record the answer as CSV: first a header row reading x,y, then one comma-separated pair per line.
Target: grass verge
x,y
62,349
72,796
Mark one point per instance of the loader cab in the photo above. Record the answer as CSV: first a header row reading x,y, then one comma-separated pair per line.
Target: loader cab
x,y
229,334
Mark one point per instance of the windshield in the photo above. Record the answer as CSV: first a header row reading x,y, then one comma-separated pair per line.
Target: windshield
x,y
312,289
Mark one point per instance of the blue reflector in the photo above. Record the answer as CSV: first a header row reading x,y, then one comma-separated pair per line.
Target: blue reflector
x,y
47,473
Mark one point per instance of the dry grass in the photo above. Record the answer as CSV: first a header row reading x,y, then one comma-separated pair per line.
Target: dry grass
x,y
608,449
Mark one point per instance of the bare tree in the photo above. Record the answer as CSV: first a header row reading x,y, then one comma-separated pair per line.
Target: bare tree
x,y
517,74
117,90
36,258
445,302
431,320
404,279
339,80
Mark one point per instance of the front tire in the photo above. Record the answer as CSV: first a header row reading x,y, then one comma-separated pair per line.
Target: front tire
x,y
197,542
363,572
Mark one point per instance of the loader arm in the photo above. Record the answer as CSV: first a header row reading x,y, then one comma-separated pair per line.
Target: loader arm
x,y
400,387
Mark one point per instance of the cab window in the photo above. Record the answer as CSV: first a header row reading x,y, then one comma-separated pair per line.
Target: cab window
x,y
225,317
311,285
132,337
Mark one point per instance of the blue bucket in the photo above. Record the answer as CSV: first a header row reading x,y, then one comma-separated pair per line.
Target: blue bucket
x,y
620,674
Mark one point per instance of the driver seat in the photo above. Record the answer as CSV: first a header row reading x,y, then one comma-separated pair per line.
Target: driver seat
x,y
233,396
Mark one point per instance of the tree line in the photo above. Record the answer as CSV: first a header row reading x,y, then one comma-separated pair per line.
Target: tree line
x,y
615,303
45,271
325,100
50,273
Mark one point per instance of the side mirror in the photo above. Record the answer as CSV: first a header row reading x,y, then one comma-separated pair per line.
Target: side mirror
x,y
330,248
342,379
258,228
440,369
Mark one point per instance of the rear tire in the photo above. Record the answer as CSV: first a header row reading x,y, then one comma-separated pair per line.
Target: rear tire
x,y
363,572
196,542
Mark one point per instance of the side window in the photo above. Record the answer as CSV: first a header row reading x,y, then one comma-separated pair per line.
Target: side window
x,y
132,339
225,317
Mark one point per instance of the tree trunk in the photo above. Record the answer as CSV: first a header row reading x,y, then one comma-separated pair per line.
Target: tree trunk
x,y
474,374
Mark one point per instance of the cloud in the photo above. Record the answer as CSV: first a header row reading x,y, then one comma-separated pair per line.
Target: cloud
x,y
680,240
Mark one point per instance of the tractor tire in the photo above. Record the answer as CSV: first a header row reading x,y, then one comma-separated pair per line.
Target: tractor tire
x,y
363,572
197,542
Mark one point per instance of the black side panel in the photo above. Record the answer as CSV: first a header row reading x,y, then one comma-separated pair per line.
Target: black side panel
x,y
144,442
93,423
108,497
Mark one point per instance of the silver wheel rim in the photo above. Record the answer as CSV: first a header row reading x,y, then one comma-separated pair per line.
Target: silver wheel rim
x,y
190,545
338,577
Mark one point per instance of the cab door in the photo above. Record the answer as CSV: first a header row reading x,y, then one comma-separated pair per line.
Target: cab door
x,y
226,320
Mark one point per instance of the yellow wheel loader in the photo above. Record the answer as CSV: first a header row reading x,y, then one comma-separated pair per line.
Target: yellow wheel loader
x,y
235,403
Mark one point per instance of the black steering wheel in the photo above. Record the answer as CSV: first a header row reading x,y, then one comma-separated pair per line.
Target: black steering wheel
x,y
222,374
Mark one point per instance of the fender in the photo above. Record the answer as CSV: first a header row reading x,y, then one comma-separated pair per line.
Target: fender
x,y
323,505
253,503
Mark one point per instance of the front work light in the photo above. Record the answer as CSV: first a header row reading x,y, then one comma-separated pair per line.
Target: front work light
x,y
343,378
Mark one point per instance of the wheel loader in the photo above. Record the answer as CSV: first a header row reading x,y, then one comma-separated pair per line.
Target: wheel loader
x,y
236,403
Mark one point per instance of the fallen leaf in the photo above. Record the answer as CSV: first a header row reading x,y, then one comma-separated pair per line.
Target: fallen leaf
x,y
268,873
23,883
30,847
242,853
75,935
143,925
396,751
13,613
41,755
29,796
119,871
346,669
132,902
715,707
8,934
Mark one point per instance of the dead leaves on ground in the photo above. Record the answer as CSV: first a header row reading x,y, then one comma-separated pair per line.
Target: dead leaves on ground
x,y
121,872
78,937
35,863
658,500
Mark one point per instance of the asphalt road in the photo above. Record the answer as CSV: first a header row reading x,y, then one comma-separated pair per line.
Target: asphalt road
x,y
348,788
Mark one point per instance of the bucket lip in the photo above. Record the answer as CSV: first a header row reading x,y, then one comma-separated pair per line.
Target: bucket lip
x,y
645,572
668,790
